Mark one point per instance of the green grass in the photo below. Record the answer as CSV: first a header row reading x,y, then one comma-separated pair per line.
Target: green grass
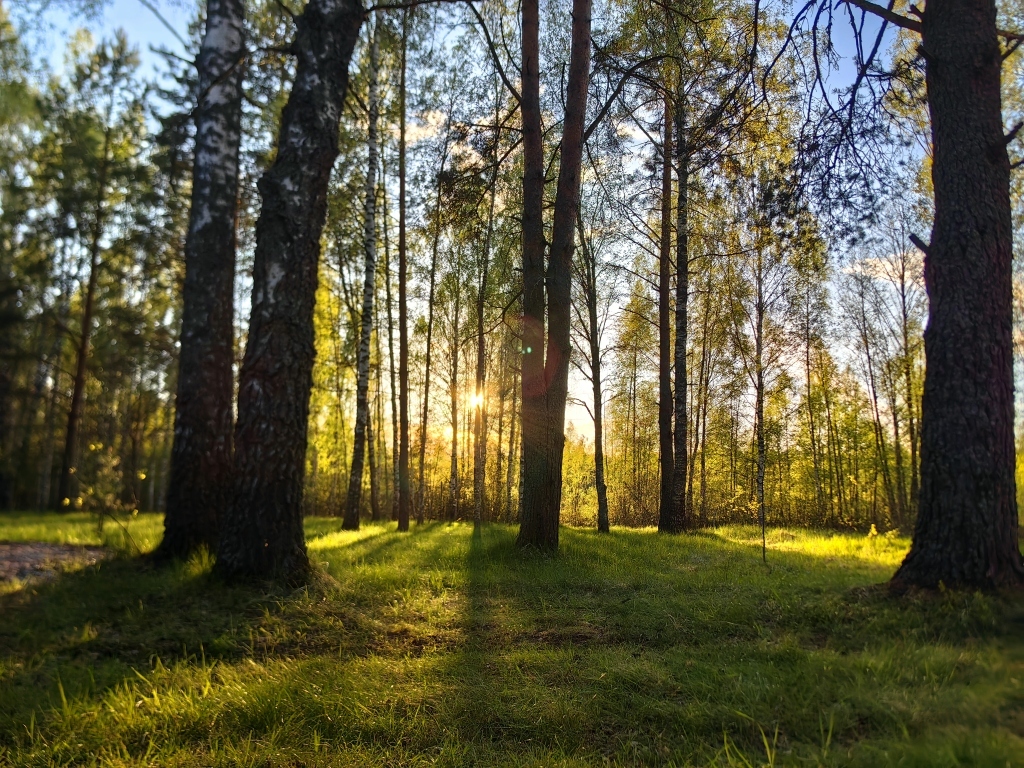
x,y
441,648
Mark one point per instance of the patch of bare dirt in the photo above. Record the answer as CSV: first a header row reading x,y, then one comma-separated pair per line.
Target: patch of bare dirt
x,y
29,561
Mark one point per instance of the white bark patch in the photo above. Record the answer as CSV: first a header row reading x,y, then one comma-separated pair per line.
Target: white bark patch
x,y
274,276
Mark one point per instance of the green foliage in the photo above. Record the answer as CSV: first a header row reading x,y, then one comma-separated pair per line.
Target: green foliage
x,y
446,648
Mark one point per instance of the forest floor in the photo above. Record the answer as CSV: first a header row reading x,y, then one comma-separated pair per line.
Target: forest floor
x,y
444,648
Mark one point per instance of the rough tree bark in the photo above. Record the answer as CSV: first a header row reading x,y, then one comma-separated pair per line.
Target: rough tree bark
x,y
546,373
200,474
262,534
966,531
350,522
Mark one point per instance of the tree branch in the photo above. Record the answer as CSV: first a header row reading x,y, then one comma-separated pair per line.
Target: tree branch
x,y
891,16
494,53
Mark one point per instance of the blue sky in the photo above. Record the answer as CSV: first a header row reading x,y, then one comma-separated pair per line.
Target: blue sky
x,y
142,26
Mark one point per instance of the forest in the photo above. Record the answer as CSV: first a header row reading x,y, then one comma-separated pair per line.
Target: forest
x,y
335,326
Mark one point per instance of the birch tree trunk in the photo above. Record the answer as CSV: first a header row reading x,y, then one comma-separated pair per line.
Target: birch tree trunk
x,y
355,481
262,535
200,475
665,404
678,518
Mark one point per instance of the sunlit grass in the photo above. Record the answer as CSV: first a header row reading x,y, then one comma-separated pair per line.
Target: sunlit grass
x,y
441,648
120,532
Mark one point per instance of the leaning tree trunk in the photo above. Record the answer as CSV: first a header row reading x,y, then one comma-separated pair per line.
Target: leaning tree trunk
x,y
350,522
966,531
262,533
201,451
665,403
544,395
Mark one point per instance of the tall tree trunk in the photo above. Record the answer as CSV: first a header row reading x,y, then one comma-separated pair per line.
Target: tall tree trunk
x,y
200,477
665,403
908,382
404,486
67,487
453,392
431,290
391,351
590,289
480,402
355,481
966,531
678,519
533,531
262,534
512,443
759,385
546,376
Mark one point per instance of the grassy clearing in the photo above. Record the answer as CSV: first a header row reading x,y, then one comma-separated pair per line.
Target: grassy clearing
x,y
442,648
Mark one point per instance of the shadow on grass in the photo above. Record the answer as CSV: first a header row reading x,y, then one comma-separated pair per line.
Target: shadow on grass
x,y
453,646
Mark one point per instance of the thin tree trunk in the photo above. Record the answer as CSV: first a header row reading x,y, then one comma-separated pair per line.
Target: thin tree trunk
x,y
480,402
355,482
391,348
453,391
67,488
678,518
966,531
665,402
759,406
262,535
431,290
512,443
404,487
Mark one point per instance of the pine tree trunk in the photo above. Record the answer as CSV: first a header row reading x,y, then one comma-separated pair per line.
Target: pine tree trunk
x,y
350,521
590,288
534,531
391,356
966,531
262,534
404,486
421,488
479,432
546,375
67,488
665,403
453,393
200,477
